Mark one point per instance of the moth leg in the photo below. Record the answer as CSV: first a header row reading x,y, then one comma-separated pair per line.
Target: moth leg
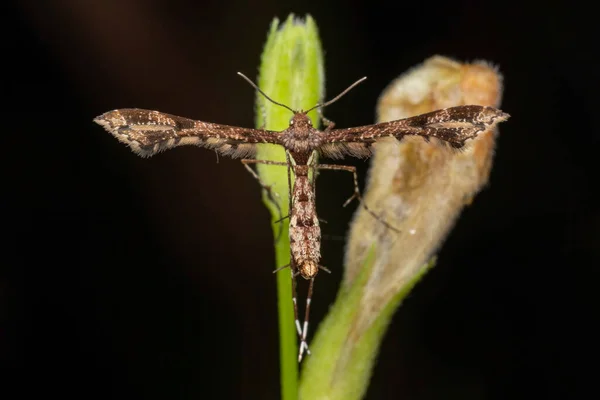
x,y
281,219
289,179
266,187
328,237
281,268
321,220
356,195
329,124
302,332
295,301
303,344
313,184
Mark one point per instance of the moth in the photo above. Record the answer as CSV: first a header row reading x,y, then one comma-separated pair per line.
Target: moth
x,y
149,132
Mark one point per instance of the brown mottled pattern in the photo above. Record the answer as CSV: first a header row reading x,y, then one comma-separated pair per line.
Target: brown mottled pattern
x,y
453,125
149,132
305,232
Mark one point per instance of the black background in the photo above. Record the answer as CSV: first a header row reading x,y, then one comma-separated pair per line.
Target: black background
x,y
133,278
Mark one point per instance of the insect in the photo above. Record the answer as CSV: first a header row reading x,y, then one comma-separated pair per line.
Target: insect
x,y
150,132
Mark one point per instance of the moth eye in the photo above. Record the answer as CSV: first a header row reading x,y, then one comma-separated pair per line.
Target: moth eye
x,y
292,121
310,122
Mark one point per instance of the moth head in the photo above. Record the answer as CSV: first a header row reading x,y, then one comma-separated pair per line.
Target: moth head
x,y
300,121
301,136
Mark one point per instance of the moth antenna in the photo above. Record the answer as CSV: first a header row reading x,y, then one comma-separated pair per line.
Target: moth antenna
x,y
263,93
336,98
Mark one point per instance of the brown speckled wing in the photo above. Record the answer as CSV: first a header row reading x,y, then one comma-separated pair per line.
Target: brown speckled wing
x,y
453,125
150,132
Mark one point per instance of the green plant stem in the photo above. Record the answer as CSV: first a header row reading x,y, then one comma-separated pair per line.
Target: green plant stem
x,y
291,73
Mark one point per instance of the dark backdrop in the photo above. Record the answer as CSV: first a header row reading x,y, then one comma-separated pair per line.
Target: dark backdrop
x,y
132,278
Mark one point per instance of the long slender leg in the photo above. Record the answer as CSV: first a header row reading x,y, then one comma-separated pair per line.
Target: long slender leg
x,y
329,124
296,320
314,186
303,344
247,161
282,218
266,162
356,195
304,332
294,296
266,187
287,164
289,176
337,238
281,268
287,216
295,301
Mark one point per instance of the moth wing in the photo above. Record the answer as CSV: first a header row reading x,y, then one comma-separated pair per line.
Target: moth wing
x,y
149,132
453,125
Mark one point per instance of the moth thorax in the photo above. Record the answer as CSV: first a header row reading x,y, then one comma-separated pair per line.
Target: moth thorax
x,y
308,269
